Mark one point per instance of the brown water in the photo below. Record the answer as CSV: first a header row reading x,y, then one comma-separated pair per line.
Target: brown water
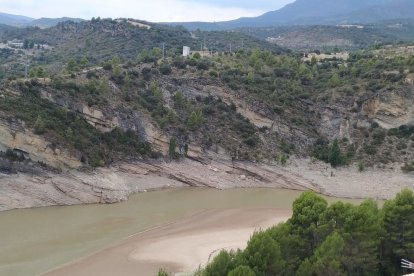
x,y
33,241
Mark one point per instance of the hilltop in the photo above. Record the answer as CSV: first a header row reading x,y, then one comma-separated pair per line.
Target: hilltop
x,y
25,21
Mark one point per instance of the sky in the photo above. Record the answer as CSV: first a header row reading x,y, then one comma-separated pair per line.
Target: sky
x,y
150,10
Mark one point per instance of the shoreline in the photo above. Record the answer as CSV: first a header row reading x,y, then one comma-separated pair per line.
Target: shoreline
x,y
118,183
200,235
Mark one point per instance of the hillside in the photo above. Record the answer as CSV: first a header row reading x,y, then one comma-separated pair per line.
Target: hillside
x,y
51,22
344,37
14,20
244,119
100,40
253,106
319,12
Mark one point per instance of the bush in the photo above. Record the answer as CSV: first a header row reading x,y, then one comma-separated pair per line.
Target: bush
x,y
203,64
179,63
213,74
251,141
408,167
361,166
370,149
165,69
163,272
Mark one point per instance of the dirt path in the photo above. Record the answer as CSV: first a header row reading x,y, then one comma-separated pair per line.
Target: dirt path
x,y
179,247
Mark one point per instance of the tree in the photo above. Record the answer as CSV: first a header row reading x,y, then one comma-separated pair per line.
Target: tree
x,y
398,241
37,72
179,100
263,255
162,272
84,62
41,73
69,133
306,221
116,67
250,78
26,44
195,120
335,157
327,259
40,126
242,270
156,53
361,233
165,69
172,148
221,265
335,80
71,65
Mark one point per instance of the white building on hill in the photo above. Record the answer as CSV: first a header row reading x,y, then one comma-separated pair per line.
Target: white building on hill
x,y
186,51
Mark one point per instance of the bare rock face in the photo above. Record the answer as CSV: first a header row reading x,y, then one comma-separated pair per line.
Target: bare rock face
x,y
13,135
96,118
115,184
391,110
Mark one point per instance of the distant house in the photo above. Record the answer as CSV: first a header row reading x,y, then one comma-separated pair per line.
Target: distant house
x,y
15,44
186,51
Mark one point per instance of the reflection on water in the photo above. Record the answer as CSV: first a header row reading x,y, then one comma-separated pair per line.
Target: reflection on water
x,y
33,241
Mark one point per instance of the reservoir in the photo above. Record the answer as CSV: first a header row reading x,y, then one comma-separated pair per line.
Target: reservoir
x,y
34,241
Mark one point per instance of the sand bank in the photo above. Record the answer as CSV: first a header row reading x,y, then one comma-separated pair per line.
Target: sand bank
x,y
178,247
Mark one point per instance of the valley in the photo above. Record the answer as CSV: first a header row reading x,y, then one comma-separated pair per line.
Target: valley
x,y
280,144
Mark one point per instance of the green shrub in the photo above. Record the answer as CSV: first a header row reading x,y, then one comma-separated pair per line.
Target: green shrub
x,y
165,69
408,167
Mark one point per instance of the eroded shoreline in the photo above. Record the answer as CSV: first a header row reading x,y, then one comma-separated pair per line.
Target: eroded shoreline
x,y
117,183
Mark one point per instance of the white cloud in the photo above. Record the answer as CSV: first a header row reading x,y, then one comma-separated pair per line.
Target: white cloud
x,y
151,10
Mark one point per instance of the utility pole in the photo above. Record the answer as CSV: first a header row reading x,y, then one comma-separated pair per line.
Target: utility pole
x,y
230,47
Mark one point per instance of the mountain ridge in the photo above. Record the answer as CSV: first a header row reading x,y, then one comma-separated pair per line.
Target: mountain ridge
x,y
317,12
25,21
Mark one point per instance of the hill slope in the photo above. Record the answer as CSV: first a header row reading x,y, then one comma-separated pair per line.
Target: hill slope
x,y
100,40
14,20
24,21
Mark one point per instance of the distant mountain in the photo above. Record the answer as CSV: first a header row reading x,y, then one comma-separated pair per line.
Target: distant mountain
x,y
318,12
24,21
14,20
50,22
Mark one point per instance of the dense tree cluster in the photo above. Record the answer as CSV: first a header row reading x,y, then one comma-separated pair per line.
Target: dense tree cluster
x,y
322,239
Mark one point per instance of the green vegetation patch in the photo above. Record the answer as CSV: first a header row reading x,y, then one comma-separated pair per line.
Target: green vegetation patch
x,y
340,239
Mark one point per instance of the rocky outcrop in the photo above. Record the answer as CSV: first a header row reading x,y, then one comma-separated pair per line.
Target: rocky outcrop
x,y
96,118
391,109
14,136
